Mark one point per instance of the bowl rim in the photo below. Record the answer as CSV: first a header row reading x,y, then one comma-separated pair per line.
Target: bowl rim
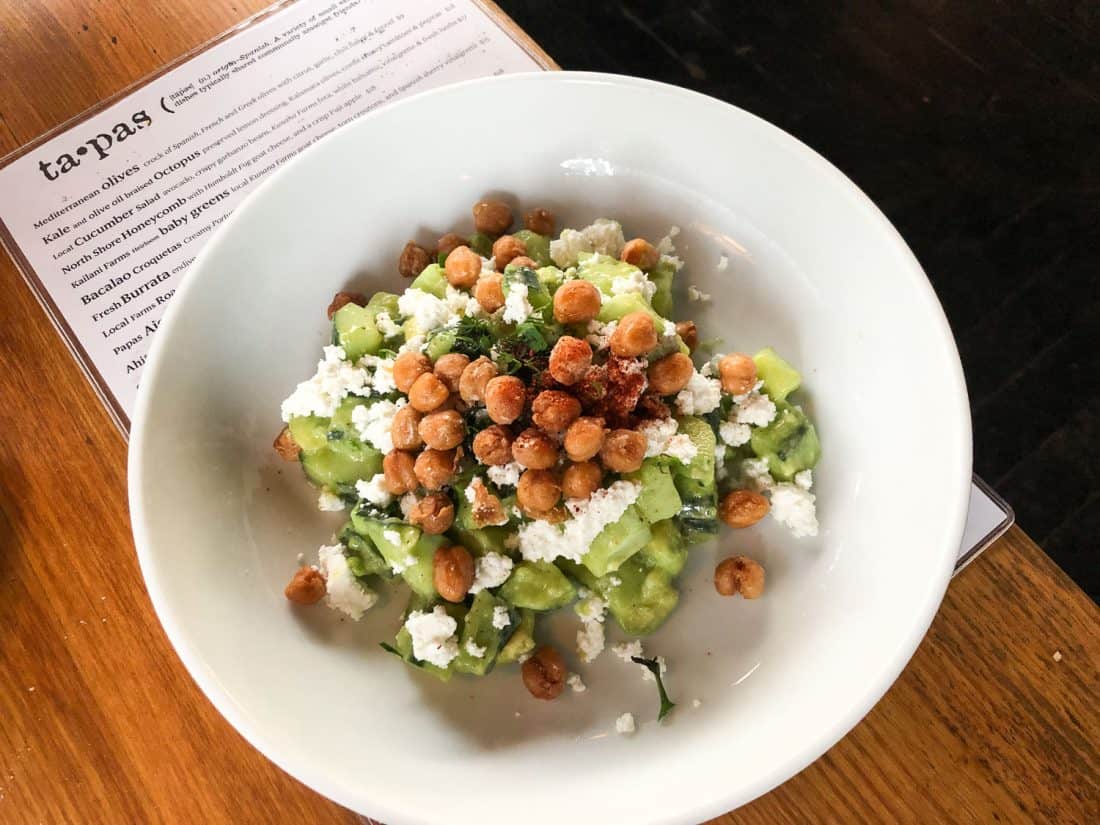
x,y
722,801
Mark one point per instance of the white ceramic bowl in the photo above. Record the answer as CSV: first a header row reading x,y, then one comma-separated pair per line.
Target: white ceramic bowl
x,y
814,270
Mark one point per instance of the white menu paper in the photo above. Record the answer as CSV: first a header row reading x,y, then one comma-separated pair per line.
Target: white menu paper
x,y
105,217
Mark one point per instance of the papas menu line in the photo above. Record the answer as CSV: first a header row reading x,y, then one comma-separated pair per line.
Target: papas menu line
x,y
105,216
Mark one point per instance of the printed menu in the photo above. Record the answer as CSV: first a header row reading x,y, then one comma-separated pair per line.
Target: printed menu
x,y
105,216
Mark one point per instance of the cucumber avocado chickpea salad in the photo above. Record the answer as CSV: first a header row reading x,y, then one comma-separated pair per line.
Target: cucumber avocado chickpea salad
x,y
524,429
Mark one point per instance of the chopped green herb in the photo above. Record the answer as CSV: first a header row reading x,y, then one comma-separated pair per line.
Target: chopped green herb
x,y
390,649
473,337
654,667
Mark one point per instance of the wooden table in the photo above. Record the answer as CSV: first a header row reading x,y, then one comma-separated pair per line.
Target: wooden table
x,y
995,718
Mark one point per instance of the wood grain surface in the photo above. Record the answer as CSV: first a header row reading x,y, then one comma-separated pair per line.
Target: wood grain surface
x,y
995,719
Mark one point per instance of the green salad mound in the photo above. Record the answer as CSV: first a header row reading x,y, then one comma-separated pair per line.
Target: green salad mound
x,y
526,428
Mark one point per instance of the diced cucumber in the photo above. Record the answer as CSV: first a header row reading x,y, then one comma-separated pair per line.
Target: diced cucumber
x,y
617,542
550,277
662,275
432,280
419,575
644,599
789,443
695,482
537,294
363,557
481,540
482,244
477,627
343,437
522,639
538,585
440,343
659,499
604,270
402,643
355,331
403,546
780,378
310,432
538,246
614,309
384,302
666,549
578,572
328,467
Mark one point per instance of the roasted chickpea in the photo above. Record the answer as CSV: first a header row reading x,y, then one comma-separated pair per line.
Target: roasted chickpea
x,y
553,410
449,368
742,508
584,438
399,473
489,291
581,480
523,260
505,396
738,373
540,221
306,587
739,574
405,429
452,572
576,302
442,430
570,359
286,446
640,253
492,217
670,374
544,674
535,449
435,468
471,386
427,392
487,509
434,514
635,335
623,451
688,333
462,267
407,367
449,243
493,445
414,258
506,248
538,491
341,299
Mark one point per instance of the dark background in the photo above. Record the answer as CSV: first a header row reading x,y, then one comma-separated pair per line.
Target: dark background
x,y
974,125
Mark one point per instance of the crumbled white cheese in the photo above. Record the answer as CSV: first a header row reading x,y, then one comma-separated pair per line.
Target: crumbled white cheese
x,y
330,502
733,433
668,329
614,581
665,245
375,423
433,636
700,396
516,306
591,608
696,294
471,493
491,570
501,619
647,674
505,475
627,650
489,264
682,448
723,263
602,236
343,591
794,507
386,325
399,567
720,471
635,282
542,541
407,503
756,475
474,649
590,641
804,479
657,432
382,382
754,408
374,490
625,723
599,334
426,311
334,380
392,536
576,683
462,303
414,344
